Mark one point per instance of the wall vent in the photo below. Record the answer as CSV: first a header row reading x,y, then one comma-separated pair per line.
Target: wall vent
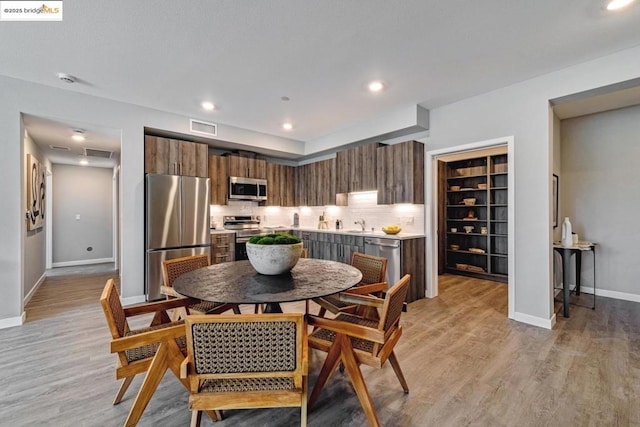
x,y
59,148
205,128
93,152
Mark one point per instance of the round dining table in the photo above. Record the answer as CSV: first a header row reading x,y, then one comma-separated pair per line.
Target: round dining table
x,y
238,282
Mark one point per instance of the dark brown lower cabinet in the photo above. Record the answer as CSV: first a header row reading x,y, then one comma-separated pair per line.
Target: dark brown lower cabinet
x,y
340,247
413,263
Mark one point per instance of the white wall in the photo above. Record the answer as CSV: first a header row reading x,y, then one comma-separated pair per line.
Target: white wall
x,y
86,192
599,191
522,110
35,249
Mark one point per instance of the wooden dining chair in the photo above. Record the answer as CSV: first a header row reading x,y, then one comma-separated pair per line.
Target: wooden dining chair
x,y
174,268
353,340
135,357
374,272
246,361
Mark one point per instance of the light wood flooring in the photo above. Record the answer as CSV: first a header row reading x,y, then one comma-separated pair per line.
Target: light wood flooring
x,y
465,362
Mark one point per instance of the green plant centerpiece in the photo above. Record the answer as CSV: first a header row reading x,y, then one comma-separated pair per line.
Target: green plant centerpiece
x,y
275,253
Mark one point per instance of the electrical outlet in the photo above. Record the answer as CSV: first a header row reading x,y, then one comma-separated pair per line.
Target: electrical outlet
x,y
408,220
77,217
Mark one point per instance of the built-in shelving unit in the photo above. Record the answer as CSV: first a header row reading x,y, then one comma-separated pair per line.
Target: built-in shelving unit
x,y
476,217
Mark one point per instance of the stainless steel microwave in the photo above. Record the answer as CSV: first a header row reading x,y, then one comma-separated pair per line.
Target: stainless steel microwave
x,y
247,189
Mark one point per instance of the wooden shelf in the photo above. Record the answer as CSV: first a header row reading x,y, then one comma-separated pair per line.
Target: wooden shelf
x,y
464,251
494,176
483,175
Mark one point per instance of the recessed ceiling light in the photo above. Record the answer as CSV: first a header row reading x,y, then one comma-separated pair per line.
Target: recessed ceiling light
x,y
209,106
287,126
84,162
376,86
78,135
618,4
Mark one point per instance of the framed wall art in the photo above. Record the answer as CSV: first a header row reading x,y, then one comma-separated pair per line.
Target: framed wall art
x,y
35,193
555,200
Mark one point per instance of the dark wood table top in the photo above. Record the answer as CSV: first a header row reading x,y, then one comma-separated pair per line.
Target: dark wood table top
x,y
237,282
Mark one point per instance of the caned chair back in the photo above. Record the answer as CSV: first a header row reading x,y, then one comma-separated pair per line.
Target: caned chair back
x,y
373,268
113,310
393,304
174,268
246,361
267,346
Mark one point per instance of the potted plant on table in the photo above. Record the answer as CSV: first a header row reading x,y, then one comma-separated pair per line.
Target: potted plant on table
x,y
275,253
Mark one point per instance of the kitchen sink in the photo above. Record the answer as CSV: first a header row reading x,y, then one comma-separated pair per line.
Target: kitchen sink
x,y
355,231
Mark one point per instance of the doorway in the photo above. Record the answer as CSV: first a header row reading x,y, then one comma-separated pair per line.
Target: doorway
x,y
434,211
83,160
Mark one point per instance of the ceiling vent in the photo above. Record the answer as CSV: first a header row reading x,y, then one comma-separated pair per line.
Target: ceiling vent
x,y
59,148
205,128
92,152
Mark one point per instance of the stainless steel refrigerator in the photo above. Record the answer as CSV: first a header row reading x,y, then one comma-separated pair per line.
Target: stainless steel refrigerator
x,y
176,223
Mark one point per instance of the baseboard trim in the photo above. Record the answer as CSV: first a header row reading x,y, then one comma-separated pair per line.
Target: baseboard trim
x,y
10,322
33,290
612,294
534,320
133,300
82,262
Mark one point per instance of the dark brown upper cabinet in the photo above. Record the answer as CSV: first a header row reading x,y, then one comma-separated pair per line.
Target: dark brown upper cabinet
x,y
356,169
175,157
400,173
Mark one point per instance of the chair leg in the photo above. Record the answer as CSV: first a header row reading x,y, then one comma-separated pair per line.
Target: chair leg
x,y
123,389
196,418
351,366
396,368
330,363
178,313
303,404
215,415
236,309
151,381
322,312
256,309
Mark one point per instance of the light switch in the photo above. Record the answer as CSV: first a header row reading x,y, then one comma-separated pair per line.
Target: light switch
x,y
77,217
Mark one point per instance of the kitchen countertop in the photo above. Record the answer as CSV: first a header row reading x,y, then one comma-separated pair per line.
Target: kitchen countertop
x,y
381,234
220,231
400,236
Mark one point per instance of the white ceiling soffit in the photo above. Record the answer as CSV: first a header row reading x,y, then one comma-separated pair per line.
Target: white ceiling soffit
x,y
53,137
619,95
320,54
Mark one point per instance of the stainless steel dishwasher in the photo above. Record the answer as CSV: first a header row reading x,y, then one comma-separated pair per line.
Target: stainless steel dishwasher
x,y
389,249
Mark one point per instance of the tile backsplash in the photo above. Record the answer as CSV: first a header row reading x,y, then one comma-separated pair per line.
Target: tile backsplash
x,y
361,206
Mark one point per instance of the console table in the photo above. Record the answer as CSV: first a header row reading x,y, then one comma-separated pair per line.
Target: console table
x,y
565,253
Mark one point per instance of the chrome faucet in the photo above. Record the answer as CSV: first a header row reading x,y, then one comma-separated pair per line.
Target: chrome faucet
x,y
360,223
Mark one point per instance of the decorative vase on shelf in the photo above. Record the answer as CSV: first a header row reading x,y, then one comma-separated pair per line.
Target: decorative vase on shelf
x,y
567,238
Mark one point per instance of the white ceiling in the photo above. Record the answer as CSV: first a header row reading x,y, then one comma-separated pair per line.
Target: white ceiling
x,y
47,133
245,55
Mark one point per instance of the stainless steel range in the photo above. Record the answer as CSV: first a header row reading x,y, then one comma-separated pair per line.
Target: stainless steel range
x,y
245,227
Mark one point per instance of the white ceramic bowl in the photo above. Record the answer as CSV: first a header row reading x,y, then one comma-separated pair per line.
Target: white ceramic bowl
x,y
273,259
